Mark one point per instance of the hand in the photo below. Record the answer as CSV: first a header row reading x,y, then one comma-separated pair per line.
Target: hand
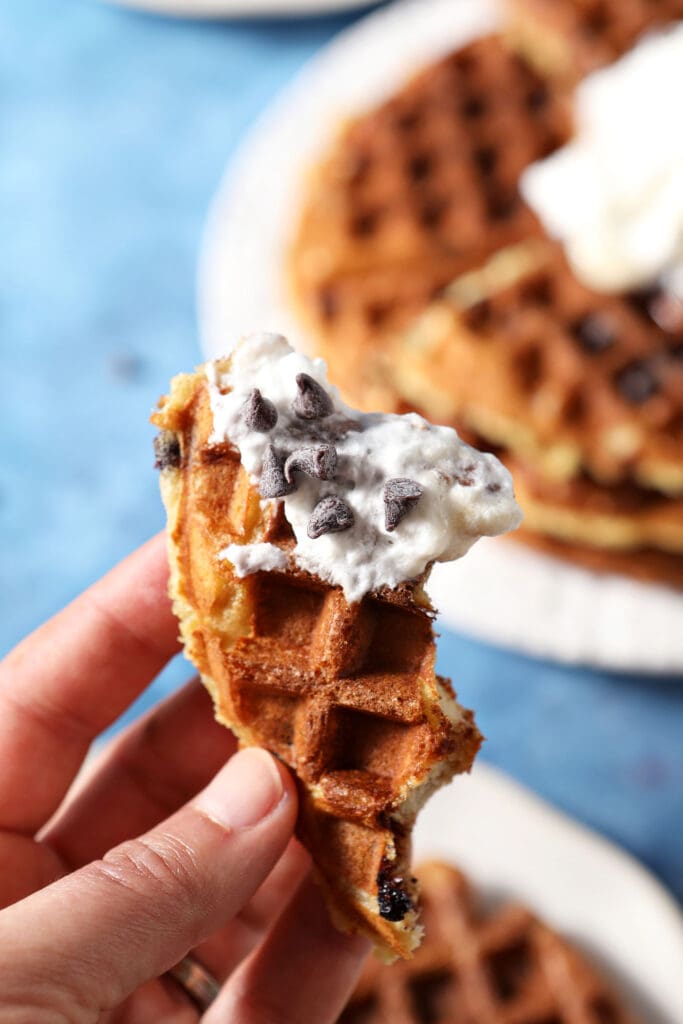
x,y
109,882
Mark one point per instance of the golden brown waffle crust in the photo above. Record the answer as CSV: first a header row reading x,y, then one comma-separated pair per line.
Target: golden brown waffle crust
x,y
457,365
567,39
238,633
378,235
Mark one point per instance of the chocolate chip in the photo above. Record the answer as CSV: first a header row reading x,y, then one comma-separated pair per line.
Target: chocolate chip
x,y
320,462
273,483
595,332
636,382
312,402
167,450
465,477
258,413
392,898
400,495
330,515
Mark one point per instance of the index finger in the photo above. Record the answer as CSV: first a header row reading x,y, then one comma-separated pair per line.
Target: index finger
x,y
73,676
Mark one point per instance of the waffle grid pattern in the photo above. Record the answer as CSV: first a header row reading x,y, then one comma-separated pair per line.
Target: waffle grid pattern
x,y
335,691
502,968
416,192
570,365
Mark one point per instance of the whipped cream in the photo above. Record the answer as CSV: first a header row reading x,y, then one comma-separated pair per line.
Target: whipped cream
x,y
248,558
399,492
614,195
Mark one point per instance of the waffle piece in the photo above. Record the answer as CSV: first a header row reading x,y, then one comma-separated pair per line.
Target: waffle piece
x,y
564,378
645,564
345,694
567,39
412,194
595,511
504,967
620,518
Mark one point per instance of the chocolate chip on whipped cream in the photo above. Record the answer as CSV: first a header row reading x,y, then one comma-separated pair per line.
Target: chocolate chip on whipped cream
x,y
259,414
400,495
330,515
273,483
372,499
319,462
312,401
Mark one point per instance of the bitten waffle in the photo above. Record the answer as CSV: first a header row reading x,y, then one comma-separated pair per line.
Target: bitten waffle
x,y
505,967
412,194
567,39
345,694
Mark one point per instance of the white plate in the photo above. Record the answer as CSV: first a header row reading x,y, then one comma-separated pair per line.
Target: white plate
x,y
514,845
498,592
242,8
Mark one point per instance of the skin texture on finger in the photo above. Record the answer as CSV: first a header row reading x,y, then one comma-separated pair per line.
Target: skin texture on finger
x,y
147,773
143,775
84,944
303,973
71,678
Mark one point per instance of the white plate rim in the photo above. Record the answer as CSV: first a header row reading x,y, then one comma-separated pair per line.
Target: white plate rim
x,y
558,610
510,841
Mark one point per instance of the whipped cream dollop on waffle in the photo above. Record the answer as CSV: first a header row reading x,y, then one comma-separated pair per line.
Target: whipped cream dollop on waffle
x,y
614,195
372,499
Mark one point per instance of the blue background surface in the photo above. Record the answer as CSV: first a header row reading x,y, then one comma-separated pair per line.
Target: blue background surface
x,y
116,127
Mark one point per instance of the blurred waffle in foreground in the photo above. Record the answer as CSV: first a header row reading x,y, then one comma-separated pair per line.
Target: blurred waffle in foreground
x,y
297,572
501,967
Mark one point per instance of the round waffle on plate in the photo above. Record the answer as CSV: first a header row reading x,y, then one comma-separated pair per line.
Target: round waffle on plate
x,y
581,392
414,193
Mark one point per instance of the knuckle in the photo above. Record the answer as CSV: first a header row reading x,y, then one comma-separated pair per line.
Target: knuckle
x,y
161,864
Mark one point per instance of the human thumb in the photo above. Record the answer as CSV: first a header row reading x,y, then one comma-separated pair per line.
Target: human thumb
x,y
82,945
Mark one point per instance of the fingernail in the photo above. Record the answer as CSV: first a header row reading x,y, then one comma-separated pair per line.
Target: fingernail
x,y
245,791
